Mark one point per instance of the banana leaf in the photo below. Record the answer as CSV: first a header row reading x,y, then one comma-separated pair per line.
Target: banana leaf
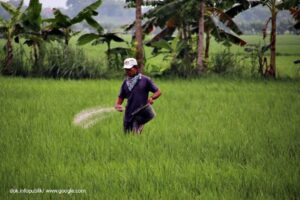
x,y
9,8
241,6
31,18
108,37
2,22
86,38
165,12
60,20
162,44
165,34
225,19
17,14
93,23
87,12
222,36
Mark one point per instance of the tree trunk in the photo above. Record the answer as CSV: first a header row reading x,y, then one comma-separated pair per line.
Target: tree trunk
x,y
184,31
67,32
207,44
139,34
273,46
7,70
272,68
200,37
36,59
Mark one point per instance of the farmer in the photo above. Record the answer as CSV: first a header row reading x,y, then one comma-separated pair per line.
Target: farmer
x,y
135,89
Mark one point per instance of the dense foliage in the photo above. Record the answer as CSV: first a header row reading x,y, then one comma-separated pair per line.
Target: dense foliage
x,y
175,24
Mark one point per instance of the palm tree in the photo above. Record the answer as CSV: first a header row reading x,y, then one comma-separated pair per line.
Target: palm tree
x,y
10,29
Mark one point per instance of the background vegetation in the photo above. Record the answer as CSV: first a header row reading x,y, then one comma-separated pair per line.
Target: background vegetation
x,y
170,51
94,60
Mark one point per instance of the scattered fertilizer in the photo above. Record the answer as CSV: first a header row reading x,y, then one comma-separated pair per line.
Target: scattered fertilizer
x,y
89,117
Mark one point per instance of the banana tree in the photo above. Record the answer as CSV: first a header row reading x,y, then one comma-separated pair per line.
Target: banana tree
x,y
63,23
34,33
225,11
295,12
274,7
31,23
10,29
99,38
172,15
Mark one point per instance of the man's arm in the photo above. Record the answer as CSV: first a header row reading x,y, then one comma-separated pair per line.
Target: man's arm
x,y
155,95
118,105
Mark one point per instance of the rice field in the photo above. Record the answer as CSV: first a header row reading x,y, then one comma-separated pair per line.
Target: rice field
x,y
213,138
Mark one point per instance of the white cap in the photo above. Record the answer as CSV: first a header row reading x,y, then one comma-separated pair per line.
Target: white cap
x,y
129,63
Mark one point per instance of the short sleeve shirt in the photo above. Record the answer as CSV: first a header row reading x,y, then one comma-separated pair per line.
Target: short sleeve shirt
x,y
138,96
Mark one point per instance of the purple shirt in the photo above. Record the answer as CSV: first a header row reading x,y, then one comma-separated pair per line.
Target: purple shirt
x,y
138,96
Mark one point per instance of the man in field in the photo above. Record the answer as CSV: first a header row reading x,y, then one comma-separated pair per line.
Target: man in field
x,y
135,89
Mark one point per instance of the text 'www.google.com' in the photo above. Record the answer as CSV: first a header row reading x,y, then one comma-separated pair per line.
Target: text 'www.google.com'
x,y
49,191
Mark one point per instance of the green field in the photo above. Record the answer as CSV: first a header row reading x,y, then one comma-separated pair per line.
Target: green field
x,y
213,138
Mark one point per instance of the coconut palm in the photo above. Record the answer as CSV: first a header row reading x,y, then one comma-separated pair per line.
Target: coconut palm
x,y
10,29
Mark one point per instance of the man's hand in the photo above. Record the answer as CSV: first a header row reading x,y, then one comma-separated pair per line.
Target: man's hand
x,y
119,107
150,100
118,104
154,96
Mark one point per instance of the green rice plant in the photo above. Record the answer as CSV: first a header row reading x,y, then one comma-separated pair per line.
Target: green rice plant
x,y
212,138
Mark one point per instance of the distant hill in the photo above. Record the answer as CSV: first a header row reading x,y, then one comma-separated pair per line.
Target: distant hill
x,y
252,21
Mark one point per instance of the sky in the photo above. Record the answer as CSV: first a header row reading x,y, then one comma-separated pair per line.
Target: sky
x,y
50,3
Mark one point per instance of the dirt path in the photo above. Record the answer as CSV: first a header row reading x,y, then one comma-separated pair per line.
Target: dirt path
x,y
91,116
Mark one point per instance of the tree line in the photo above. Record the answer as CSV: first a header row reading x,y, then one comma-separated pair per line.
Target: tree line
x,y
186,28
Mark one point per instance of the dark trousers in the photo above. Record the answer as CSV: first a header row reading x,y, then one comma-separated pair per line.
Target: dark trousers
x,y
133,126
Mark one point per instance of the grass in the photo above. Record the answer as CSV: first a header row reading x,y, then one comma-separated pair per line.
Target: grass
x,y
213,138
